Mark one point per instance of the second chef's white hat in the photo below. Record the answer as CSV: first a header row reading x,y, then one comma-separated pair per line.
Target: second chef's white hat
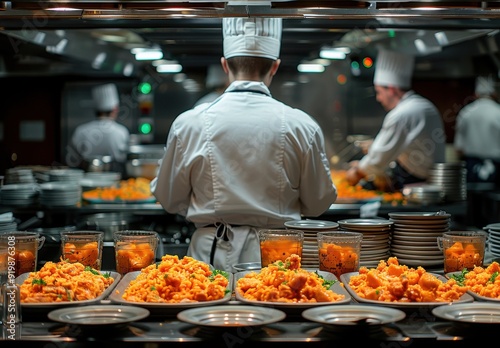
x,y
485,86
393,69
105,97
252,37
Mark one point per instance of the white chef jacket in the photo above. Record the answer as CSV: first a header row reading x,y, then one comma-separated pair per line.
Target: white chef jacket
x,y
102,137
247,161
477,129
412,134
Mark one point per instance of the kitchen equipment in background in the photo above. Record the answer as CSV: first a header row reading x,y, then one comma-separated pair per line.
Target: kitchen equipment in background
x,y
142,161
423,193
108,223
451,177
97,164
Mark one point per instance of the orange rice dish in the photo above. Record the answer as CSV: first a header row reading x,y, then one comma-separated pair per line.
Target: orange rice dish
x,y
62,282
286,282
484,281
175,280
392,282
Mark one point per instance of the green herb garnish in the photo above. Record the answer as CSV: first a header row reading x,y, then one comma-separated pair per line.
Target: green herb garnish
x,y
38,282
218,271
91,270
493,277
460,278
326,283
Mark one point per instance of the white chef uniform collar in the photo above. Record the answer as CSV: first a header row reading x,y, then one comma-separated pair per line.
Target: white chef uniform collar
x,y
252,37
105,97
485,86
393,69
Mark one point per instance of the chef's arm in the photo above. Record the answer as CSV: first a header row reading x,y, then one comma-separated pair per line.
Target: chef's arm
x,y
355,174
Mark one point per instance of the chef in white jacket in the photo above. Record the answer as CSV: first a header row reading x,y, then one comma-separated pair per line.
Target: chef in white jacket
x,y
103,136
412,134
245,161
477,134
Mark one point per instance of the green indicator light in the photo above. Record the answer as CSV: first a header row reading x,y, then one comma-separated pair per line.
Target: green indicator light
x,y
145,128
391,33
145,88
355,65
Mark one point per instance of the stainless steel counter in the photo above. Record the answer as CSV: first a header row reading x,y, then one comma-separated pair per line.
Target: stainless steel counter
x,y
418,329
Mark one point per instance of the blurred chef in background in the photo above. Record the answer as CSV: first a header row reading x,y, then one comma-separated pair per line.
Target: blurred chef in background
x,y
245,161
103,136
216,82
477,134
412,133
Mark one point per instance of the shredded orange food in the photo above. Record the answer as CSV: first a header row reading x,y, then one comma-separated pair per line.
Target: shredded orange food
x,y
357,192
286,282
130,189
64,281
176,280
392,282
483,281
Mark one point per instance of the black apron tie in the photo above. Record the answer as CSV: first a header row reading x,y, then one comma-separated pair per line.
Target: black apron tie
x,y
220,233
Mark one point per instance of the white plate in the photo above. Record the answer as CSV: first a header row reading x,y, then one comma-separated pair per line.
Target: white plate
x,y
353,315
98,315
420,215
337,288
474,313
228,316
410,251
418,257
373,223
345,278
312,224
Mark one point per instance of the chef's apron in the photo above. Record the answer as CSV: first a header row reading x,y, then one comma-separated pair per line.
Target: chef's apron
x,y
224,245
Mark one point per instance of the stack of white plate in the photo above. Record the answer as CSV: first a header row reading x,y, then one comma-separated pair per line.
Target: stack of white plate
x,y
20,195
67,175
414,237
60,194
19,176
310,246
451,177
375,245
493,239
7,222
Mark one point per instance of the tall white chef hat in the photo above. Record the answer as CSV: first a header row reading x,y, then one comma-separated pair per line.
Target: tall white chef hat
x,y
216,77
393,69
252,37
105,97
485,86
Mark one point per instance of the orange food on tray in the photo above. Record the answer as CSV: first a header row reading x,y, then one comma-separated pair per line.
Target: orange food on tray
x,y
286,282
127,190
176,280
348,192
63,282
392,282
484,281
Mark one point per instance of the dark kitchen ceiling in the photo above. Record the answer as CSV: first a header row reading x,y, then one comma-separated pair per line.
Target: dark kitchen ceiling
x,y
40,33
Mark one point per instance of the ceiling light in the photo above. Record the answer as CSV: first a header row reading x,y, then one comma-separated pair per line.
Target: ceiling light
x,y
171,68
149,55
310,68
333,53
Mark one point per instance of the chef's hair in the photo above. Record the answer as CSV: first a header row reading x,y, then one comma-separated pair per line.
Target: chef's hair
x,y
250,65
